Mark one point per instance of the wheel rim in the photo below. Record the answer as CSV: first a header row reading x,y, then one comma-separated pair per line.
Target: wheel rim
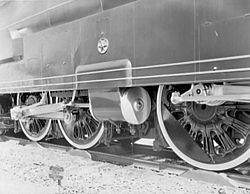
x,y
34,129
211,138
80,129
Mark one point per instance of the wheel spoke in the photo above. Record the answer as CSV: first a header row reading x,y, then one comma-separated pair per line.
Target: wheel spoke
x,y
90,132
209,146
35,129
224,140
237,125
70,129
193,134
222,131
227,143
240,127
80,131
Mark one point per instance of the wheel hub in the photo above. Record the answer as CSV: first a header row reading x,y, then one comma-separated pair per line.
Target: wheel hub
x,y
201,113
31,100
69,118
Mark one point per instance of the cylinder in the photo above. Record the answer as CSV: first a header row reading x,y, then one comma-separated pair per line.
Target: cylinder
x,y
132,105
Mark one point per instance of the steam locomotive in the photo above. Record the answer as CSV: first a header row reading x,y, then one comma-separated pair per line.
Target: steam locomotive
x,y
95,71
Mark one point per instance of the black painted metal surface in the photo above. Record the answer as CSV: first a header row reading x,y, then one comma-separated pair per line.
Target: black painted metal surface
x,y
55,38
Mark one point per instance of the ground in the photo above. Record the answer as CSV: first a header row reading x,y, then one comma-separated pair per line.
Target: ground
x,y
26,169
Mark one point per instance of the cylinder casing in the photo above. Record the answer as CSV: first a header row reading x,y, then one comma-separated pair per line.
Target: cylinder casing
x,y
132,105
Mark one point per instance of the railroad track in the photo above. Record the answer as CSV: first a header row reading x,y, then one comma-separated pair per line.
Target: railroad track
x,y
143,156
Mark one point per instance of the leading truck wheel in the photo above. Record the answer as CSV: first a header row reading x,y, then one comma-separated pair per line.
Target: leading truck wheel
x,y
208,137
34,129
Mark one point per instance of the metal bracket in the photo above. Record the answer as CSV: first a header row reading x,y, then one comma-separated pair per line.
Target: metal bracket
x,y
43,110
213,95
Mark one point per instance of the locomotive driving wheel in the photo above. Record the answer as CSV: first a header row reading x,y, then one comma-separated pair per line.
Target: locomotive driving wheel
x,y
34,129
208,137
80,129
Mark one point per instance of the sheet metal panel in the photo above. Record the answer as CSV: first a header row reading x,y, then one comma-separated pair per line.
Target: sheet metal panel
x,y
58,51
13,75
106,74
164,34
117,26
51,14
144,32
6,46
218,10
226,35
109,4
58,48
11,12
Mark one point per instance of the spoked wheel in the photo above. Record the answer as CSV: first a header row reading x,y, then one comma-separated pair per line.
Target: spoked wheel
x,y
80,129
34,129
208,137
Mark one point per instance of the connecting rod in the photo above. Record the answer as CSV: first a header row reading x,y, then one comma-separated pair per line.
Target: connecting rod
x,y
44,111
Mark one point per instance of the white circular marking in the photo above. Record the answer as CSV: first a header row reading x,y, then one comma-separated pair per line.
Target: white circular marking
x,y
103,45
